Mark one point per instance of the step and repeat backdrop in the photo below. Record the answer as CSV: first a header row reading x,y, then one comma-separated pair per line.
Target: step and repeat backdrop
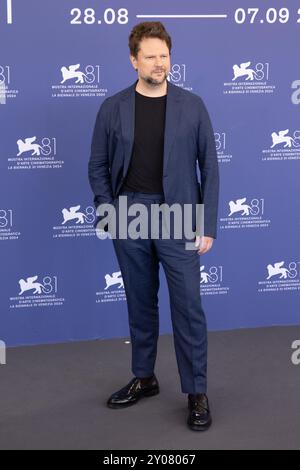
x,y
58,61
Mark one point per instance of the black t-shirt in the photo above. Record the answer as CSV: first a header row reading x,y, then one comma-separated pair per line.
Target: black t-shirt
x,y
145,173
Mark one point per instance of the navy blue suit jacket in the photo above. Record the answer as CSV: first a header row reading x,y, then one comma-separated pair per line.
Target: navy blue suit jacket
x,y
188,141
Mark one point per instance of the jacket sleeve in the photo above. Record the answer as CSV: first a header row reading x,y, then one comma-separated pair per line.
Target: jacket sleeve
x,y
98,167
209,172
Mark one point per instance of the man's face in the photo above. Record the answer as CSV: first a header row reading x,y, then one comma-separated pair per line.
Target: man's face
x,y
152,61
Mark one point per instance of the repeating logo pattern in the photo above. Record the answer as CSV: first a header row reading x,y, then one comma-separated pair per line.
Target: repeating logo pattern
x,y
48,104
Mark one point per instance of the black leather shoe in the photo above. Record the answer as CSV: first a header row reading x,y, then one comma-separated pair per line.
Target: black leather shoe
x,y
132,392
199,418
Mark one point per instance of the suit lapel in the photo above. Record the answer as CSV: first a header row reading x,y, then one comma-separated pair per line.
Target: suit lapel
x,y
173,113
127,115
127,112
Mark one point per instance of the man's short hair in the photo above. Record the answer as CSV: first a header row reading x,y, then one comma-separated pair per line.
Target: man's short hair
x,y
147,29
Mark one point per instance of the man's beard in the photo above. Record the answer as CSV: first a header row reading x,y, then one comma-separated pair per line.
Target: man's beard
x,y
154,81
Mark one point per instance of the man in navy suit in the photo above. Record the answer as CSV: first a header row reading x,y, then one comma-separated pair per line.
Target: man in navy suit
x,y
147,142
